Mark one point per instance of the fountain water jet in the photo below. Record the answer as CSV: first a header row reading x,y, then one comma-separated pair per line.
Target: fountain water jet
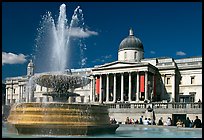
x,y
60,117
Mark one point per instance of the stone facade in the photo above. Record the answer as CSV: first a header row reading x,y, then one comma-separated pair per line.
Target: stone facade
x,y
133,79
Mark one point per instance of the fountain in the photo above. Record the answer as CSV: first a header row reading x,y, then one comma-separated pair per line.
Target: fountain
x,y
60,117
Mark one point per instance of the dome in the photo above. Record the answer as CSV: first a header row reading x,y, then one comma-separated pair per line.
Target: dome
x,y
131,42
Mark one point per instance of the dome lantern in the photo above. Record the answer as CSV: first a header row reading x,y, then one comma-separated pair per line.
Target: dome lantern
x,y
131,32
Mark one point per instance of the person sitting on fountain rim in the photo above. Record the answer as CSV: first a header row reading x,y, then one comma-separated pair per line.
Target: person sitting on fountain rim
x,y
187,122
197,123
179,123
149,121
113,121
146,122
160,121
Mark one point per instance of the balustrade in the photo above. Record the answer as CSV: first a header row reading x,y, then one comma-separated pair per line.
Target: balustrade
x,y
157,105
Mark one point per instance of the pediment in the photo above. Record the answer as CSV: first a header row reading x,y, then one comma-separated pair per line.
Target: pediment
x,y
116,64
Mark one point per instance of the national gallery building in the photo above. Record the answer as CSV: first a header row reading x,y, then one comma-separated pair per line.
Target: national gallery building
x,y
130,79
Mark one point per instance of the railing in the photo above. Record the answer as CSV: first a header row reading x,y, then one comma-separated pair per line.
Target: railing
x,y
156,105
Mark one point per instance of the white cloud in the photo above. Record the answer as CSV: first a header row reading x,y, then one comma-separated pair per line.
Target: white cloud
x,y
107,56
103,58
80,33
180,53
11,58
152,52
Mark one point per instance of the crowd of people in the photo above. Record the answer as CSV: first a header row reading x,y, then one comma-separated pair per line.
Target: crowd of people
x,y
189,123
147,121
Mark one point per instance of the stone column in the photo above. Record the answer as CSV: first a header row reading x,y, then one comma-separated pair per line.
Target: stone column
x,y
122,87
11,100
163,87
107,87
173,87
129,92
27,94
100,90
138,87
30,91
7,92
146,85
153,79
19,94
46,97
94,85
114,88
22,93
91,89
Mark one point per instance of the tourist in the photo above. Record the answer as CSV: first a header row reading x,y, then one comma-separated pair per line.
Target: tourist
x,y
141,122
132,121
137,122
149,121
113,121
187,122
179,123
197,123
160,121
127,121
145,121
192,123
168,121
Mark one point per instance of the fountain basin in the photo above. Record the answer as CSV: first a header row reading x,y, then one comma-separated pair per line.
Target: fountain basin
x,y
61,82
58,118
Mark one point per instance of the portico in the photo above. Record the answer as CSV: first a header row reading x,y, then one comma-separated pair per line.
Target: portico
x,y
122,82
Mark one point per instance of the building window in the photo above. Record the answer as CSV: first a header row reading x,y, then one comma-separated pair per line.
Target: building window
x,y
14,90
180,82
192,79
168,96
125,55
186,98
40,88
135,56
168,81
192,96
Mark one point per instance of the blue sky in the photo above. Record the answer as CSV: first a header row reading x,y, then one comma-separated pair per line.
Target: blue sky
x,y
170,29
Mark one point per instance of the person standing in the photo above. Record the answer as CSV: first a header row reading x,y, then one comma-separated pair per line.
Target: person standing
x,y
187,122
141,121
197,123
127,120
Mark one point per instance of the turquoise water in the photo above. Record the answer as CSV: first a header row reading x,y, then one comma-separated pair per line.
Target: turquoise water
x,y
125,131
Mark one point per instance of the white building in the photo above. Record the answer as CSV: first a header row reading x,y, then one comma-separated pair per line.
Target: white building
x,y
132,78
